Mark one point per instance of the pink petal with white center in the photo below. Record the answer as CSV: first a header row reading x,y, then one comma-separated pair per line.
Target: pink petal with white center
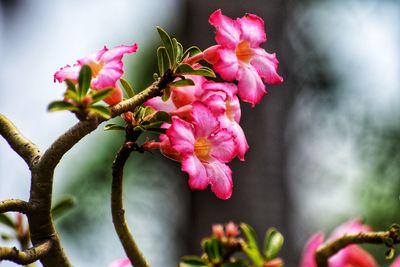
x,y
197,173
352,255
95,57
158,104
220,178
204,121
120,263
118,52
311,247
252,28
222,145
228,65
266,65
67,73
227,30
240,140
181,136
115,97
250,86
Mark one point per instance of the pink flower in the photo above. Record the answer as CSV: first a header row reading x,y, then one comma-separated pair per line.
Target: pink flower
x,y
396,262
240,56
120,263
107,69
351,255
205,148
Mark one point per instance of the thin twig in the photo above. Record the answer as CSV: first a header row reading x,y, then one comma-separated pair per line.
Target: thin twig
x,y
14,205
117,208
24,148
26,256
329,249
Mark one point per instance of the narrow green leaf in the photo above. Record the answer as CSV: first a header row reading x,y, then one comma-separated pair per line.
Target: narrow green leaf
x,y
185,82
191,51
178,50
6,220
272,243
100,95
161,116
251,247
113,126
163,60
192,261
148,113
60,105
204,71
216,250
168,45
127,88
62,206
101,110
186,69
85,76
70,85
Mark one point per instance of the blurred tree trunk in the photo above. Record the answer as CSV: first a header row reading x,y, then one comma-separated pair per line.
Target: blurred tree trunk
x,y
260,195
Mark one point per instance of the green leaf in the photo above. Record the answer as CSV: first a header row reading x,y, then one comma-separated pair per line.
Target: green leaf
x,y
390,253
238,263
178,49
186,69
148,113
166,94
191,51
127,88
184,82
113,126
192,261
6,220
60,105
168,46
272,243
212,248
102,94
70,85
85,76
161,116
62,206
163,60
101,110
251,247
6,237
69,94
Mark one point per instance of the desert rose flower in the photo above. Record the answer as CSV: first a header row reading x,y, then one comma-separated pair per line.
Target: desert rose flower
x,y
107,69
240,57
205,148
352,255
120,263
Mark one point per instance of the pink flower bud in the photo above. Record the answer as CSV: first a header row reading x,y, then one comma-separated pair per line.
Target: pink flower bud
x,y
232,230
128,117
211,55
218,231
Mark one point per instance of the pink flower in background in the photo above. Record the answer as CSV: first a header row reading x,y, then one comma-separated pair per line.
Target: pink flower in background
x,y
205,148
107,69
120,263
396,262
240,57
352,255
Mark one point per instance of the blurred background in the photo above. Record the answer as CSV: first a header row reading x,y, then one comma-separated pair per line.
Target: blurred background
x,y
324,145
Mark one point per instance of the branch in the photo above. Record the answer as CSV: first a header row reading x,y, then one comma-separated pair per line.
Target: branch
x,y
24,148
117,208
26,256
14,205
325,251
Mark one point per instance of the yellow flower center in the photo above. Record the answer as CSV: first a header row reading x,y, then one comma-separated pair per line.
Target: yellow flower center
x,y
202,148
244,52
96,67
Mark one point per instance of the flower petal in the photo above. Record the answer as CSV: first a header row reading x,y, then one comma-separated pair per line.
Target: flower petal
x,y
120,263
67,73
252,28
228,65
396,262
250,86
313,243
95,57
107,77
115,97
197,173
222,145
204,121
266,65
227,30
181,136
240,140
158,104
221,178
118,52
352,255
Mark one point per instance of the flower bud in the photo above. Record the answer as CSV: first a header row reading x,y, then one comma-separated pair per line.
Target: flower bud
x,y
218,231
231,230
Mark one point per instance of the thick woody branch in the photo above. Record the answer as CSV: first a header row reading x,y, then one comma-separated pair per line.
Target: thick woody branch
x,y
26,256
25,148
14,205
329,249
117,208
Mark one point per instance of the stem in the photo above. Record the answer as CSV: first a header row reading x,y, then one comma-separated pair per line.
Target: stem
x,y
117,208
14,205
325,251
24,148
26,256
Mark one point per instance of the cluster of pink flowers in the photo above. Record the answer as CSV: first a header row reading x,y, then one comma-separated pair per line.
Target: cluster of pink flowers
x,y
205,133
352,255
